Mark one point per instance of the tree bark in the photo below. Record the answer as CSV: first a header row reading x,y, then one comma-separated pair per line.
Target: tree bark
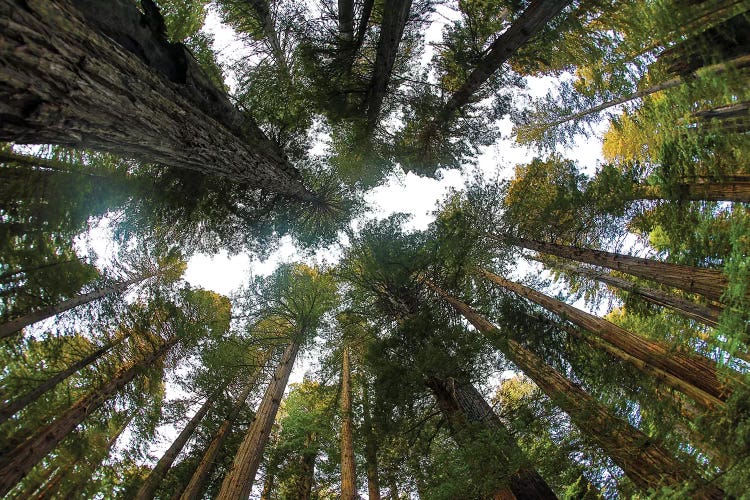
x,y
395,16
197,483
709,283
26,455
371,448
346,20
462,405
154,479
693,375
307,470
646,463
15,325
533,20
9,409
239,480
348,471
108,80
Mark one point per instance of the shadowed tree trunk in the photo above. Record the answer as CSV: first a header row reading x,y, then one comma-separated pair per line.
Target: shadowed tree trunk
x,y
735,188
197,482
154,479
16,325
646,463
691,374
16,464
239,480
130,92
21,402
707,282
348,471
307,469
371,447
463,407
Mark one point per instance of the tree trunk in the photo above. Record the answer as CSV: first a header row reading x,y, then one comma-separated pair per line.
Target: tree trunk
x,y
197,483
348,471
533,20
154,479
307,470
691,374
239,480
729,188
371,448
463,406
16,464
15,325
346,20
108,80
643,461
707,282
9,409
395,16
268,482
714,70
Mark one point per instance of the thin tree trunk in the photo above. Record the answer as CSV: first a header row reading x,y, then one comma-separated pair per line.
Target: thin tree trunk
x,y
15,325
533,20
268,482
197,482
239,480
10,276
691,374
463,406
371,448
307,470
108,80
346,20
730,188
714,70
154,479
643,461
707,282
16,464
348,471
9,409
395,16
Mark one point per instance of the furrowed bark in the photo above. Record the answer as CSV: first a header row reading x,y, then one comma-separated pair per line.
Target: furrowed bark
x,y
21,402
692,374
462,405
16,325
154,479
77,75
307,471
643,461
707,282
197,483
239,480
348,471
26,455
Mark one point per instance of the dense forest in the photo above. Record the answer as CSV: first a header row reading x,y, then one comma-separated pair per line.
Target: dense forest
x,y
560,329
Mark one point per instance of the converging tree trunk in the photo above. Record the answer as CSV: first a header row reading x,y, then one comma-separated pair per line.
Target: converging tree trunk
x,y
239,480
646,463
464,407
307,469
707,282
692,374
108,80
197,482
154,479
16,464
371,447
735,188
348,471
11,408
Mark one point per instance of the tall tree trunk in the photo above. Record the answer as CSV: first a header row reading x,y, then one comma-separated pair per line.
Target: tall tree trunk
x,y
533,20
707,282
706,314
268,482
691,374
735,188
463,406
11,408
395,16
307,469
371,447
348,471
646,463
239,480
15,325
108,80
197,482
16,464
713,70
154,479
346,20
